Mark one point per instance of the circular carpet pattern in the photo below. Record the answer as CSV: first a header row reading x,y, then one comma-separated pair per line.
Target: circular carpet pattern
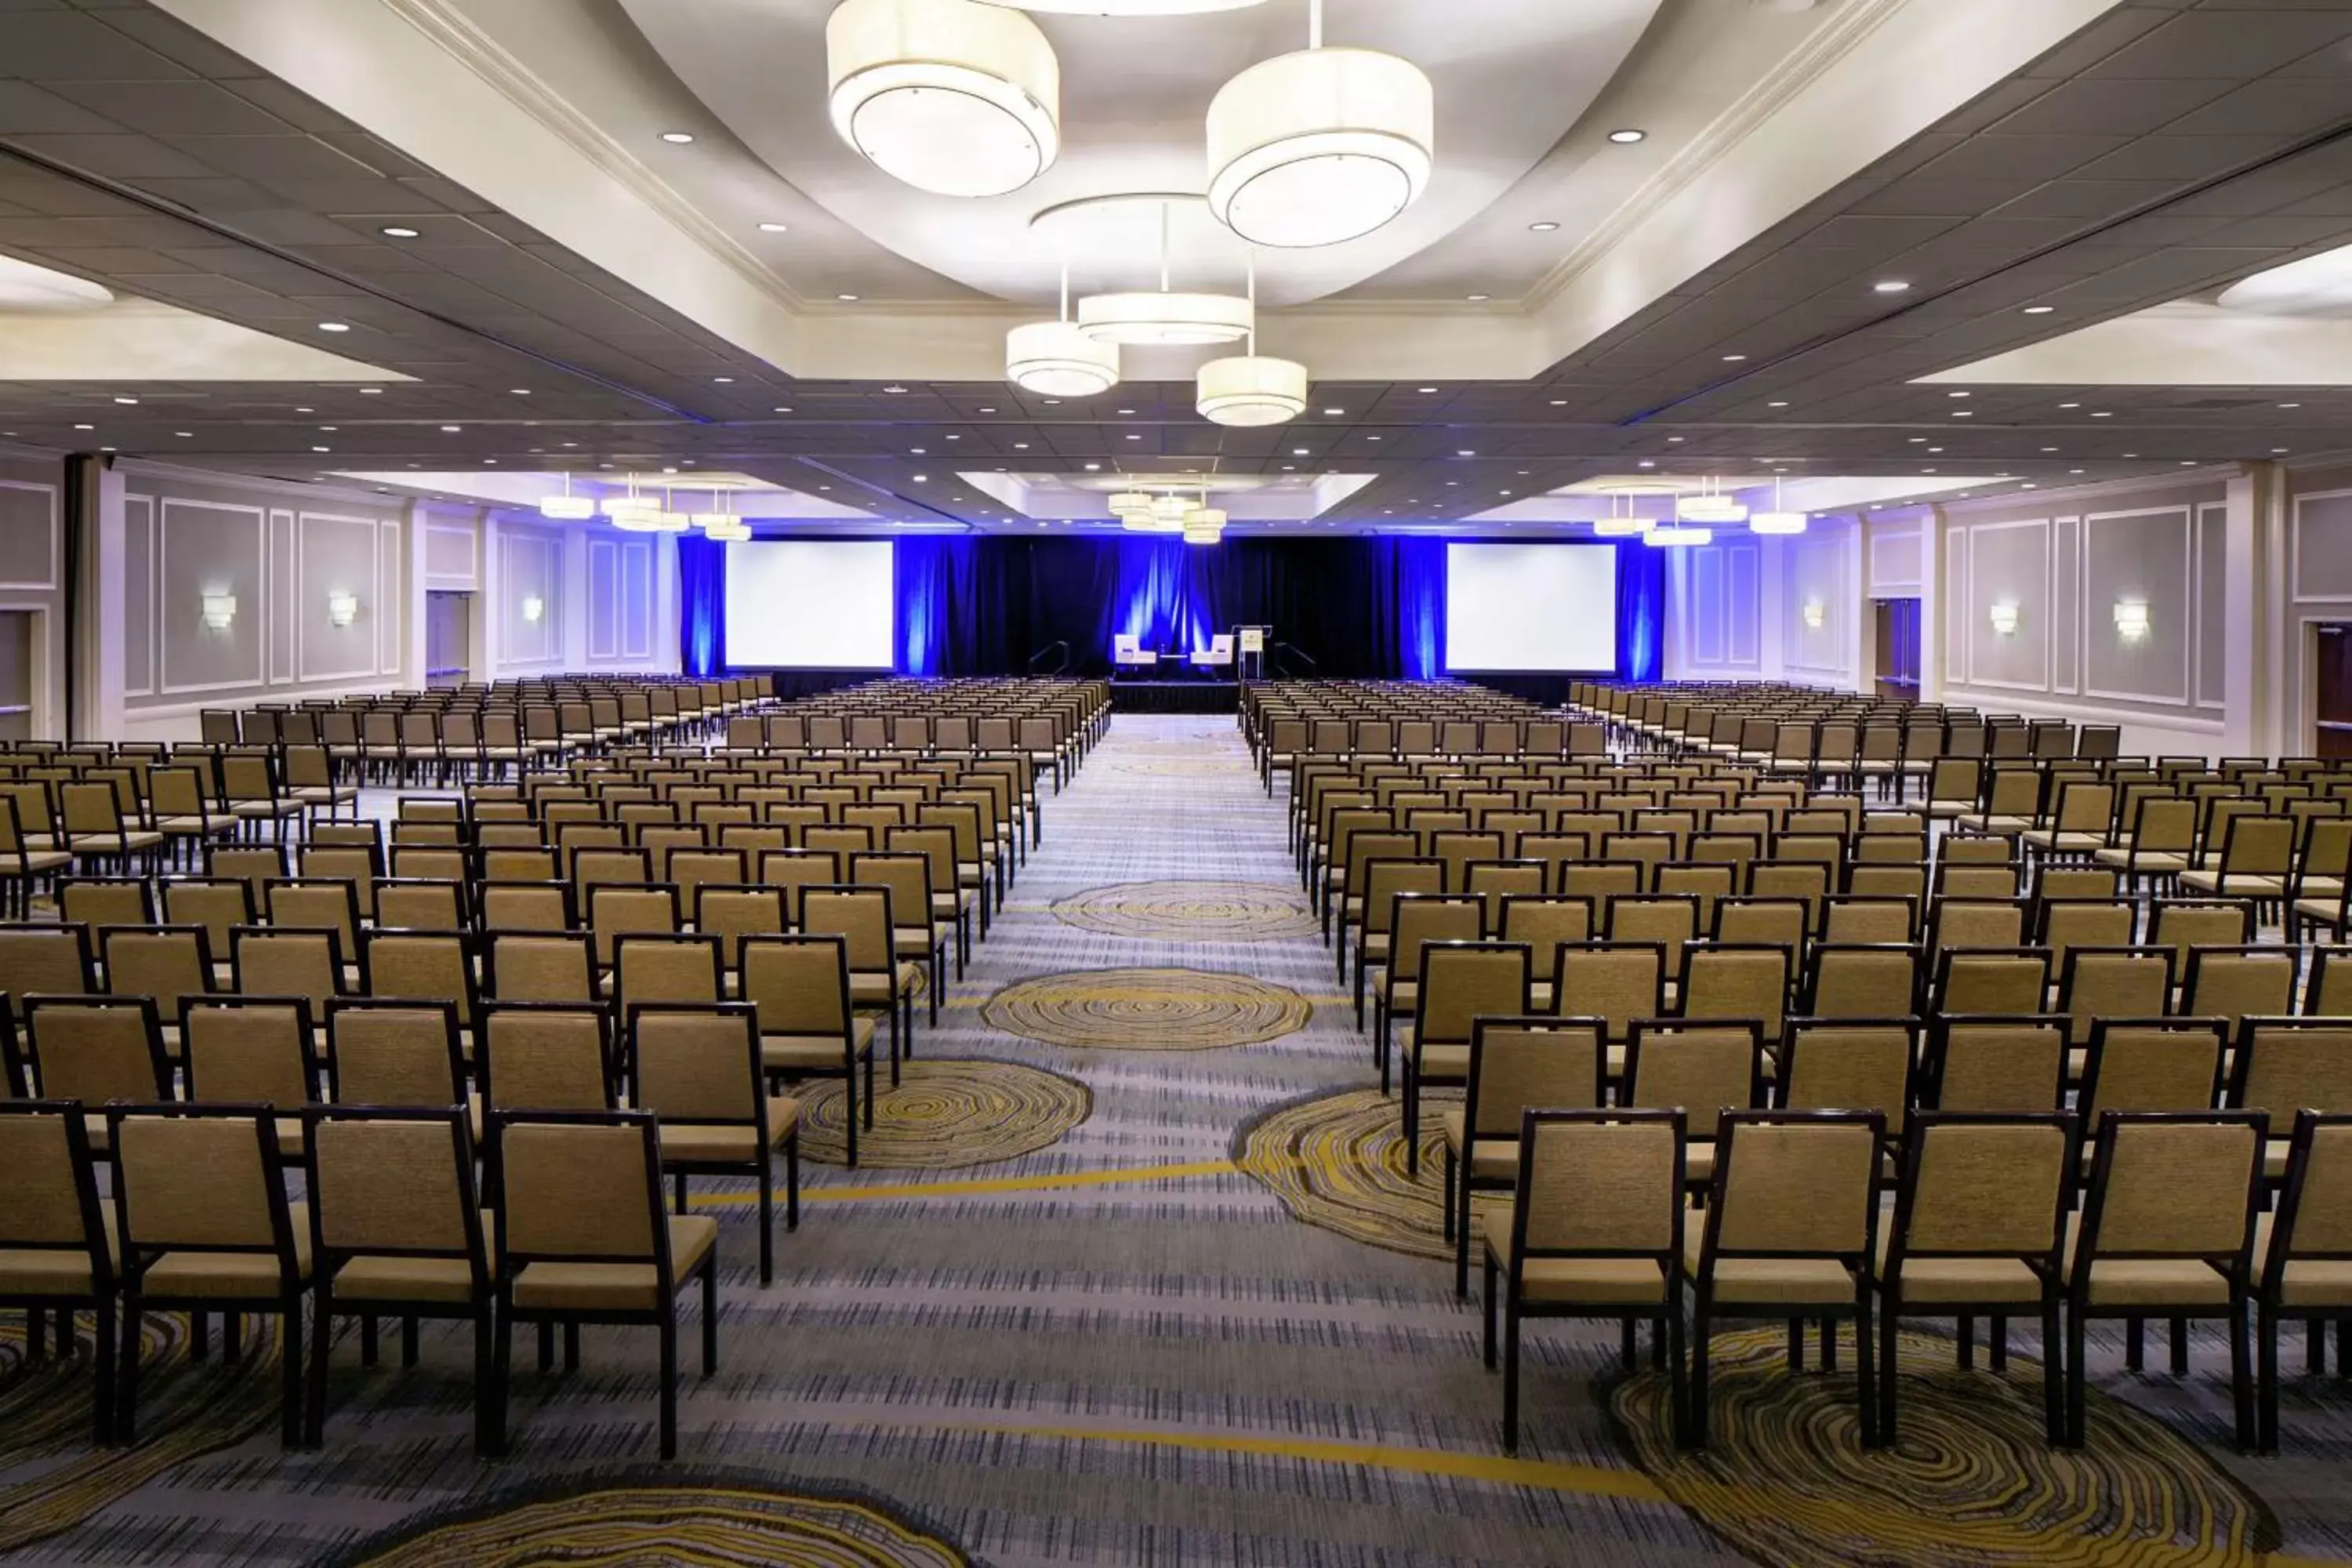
x,y
946,1113
1338,1161
1191,912
1147,1010
1971,1482
657,1524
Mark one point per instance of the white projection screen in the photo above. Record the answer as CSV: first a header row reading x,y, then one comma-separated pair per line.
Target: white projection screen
x,y
801,603
1531,607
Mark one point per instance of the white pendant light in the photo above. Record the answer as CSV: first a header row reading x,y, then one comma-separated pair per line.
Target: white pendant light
x,y
951,96
1776,521
1122,503
1057,359
1709,507
1321,146
1251,389
635,514
1204,524
1166,317
567,507
1625,524
1678,536
1168,514
729,532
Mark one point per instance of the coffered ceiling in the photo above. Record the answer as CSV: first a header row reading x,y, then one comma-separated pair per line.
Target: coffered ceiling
x,y
571,292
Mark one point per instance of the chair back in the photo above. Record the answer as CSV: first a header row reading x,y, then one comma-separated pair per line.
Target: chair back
x,y
169,963
1600,1182
1851,1064
579,1186
2315,1212
545,1056
698,1064
52,1180
1700,1070
1796,1185
1984,1186
798,984
95,1048
1463,981
250,1051
2152,1064
2172,1187
395,1052
199,1179
1614,981
1520,1064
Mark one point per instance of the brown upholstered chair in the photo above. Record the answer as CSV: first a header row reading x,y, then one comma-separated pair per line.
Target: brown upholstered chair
x,y
699,1068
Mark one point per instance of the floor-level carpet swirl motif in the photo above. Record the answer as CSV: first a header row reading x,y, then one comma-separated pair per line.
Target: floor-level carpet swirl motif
x,y
1191,912
1147,1010
945,1114
1973,1482
1339,1160
661,1523
185,1409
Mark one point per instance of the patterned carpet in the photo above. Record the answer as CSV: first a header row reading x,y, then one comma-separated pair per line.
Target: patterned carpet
x,y
1131,1273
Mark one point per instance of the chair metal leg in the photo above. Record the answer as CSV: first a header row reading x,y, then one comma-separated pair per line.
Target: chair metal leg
x,y
2266,1349
1511,1377
289,1355
2242,1382
710,1317
322,1330
669,1383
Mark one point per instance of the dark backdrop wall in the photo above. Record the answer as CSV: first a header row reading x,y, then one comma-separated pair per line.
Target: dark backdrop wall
x,y
988,605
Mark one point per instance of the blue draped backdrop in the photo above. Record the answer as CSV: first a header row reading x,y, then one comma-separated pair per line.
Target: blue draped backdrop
x,y
984,604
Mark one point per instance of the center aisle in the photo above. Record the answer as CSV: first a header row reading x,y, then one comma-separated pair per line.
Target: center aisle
x,y
1122,1347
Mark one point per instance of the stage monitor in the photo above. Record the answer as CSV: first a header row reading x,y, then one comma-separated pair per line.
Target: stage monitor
x,y
801,603
1526,607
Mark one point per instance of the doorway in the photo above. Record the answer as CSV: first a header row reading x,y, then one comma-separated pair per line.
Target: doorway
x,y
448,638
2331,668
18,629
1897,635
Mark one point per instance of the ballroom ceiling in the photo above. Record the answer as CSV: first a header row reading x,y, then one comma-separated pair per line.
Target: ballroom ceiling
x,y
532,281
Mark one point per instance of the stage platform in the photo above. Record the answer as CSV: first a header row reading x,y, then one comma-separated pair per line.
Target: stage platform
x,y
1175,697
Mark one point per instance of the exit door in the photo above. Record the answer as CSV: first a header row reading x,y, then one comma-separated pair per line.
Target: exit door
x,y
2332,675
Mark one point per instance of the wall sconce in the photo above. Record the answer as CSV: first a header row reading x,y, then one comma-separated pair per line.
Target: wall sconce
x,y
2004,617
2131,619
220,609
1815,613
343,608
533,608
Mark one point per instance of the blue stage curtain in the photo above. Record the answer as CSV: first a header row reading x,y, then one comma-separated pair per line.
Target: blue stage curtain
x,y
925,578
1640,610
701,604
1421,607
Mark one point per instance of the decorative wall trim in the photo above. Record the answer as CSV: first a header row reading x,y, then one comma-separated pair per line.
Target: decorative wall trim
x,y
2203,596
281,635
56,540
2067,553
1967,622
388,590
163,601
299,610
2184,698
147,674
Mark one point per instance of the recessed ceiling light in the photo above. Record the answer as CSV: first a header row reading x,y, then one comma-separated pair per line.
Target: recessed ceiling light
x,y
2290,406
1465,452
2029,487
1371,438
846,298
2070,406
679,137
519,391
983,411
1627,137
921,478
917,451
2049,449
2040,310
85,427
723,380
1963,414
397,231
1776,406
1890,286
1428,389
2074,470
1333,413
330,429
571,443
1645,463
321,449
1918,440
451,429
775,228
1674,440
127,400
2103,415
1960,395
1935,449
334,327
1094,468
1545,227
1735,359
1477,299
304,410
371,391
1301,451
1131,438
183,434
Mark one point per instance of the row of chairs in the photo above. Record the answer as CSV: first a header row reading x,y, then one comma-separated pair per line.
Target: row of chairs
x,y
1993,1215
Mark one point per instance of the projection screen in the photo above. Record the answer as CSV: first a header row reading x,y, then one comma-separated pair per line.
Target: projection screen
x,y
1531,607
797,603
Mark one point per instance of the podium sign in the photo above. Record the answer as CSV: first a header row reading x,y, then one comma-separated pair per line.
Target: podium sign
x,y
1252,639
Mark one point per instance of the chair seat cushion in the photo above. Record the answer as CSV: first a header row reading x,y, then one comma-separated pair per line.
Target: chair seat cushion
x,y
615,1287
54,1270
230,1274
1437,1063
2146,1281
1605,1281
691,1142
1771,1281
439,1279
107,843
879,989
1932,1279
1494,1159
2314,1282
814,1053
